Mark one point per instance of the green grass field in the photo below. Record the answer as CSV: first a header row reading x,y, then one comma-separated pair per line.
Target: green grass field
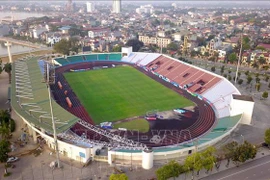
x,y
118,93
140,125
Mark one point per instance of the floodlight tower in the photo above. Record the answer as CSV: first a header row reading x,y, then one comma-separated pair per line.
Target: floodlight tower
x,y
8,44
49,77
185,45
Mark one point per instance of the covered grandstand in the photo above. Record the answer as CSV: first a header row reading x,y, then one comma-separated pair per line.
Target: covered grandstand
x,y
207,90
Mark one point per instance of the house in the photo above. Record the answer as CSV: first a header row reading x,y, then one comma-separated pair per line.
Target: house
x,y
52,38
38,31
266,46
159,41
98,32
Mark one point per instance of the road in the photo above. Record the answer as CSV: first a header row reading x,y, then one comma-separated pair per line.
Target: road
x,y
258,169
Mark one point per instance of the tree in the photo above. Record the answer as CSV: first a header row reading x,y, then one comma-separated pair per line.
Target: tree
x,y
135,43
193,53
172,169
118,177
6,122
260,48
65,46
229,150
4,131
258,86
247,73
213,69
267,136
244,152
229,78
8,68
4,150
172,46
269,85
232,57
208,158
62,47
249,79
206,54
266,78
222,69
116,48
240,81
261,60
265,95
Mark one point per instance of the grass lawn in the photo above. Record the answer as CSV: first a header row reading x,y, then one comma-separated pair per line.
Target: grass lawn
x,y
140,125
118,93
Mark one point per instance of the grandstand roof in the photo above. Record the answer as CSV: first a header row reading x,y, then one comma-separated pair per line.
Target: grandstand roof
x,y
29,98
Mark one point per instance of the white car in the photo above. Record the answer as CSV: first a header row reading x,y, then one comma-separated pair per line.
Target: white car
x,y
12,159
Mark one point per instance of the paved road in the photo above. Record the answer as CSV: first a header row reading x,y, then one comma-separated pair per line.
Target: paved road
x,y
256,170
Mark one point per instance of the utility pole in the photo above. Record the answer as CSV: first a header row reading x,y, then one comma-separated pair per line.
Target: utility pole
x,y
48,82
239,59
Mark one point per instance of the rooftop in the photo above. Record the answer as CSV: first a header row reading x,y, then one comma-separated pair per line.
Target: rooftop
x,y
243,97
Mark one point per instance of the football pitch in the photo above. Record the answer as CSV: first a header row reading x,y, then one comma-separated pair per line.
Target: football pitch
x,y
122,92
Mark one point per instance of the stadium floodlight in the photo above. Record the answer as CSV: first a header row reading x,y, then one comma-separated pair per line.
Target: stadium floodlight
x,y
49,77
239,58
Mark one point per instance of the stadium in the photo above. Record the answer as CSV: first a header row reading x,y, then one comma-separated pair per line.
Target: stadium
x,y
135,108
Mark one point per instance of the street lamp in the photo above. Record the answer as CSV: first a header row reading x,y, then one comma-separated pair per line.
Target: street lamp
x,y
50,80
243,138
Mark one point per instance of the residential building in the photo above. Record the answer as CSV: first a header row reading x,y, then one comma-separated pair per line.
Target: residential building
x,y
90,7
98,32
159,41
146,9
116,6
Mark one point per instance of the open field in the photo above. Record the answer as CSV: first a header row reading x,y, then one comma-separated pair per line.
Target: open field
x,y
140,125
122,92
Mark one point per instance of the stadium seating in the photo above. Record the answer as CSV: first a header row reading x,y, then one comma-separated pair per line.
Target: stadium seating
x,y
141,58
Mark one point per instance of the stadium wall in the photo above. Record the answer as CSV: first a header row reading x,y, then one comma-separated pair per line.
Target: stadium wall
x,y
70,150
166,154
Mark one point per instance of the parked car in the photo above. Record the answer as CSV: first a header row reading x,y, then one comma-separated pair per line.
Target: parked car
x,y
12,159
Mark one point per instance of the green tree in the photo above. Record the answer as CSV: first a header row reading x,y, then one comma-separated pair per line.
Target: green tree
x,y
116,48
229,78
249,79
269,85
172,46
266,78
260,48
240,81
172,169
62,47
208,158
213,69
4,131
193,53
65,46
8,68
232,57
244,152
229,150
222,69
267,136
261,60
118,177
247,73
206,54
265,95
258,86
4,150
135,43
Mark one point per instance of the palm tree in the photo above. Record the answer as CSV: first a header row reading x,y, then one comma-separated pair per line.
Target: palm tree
x,y
8,69
4,150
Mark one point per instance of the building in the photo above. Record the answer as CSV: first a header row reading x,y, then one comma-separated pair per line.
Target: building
x,y
98,32
116,6
159,41
90,7
146,9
